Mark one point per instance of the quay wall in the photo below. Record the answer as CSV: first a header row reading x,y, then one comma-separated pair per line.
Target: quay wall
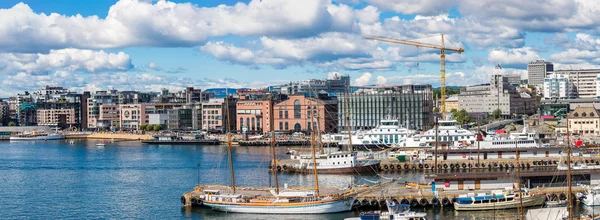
x,y
112,136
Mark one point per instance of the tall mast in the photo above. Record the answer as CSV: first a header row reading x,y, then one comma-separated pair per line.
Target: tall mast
x,y
350,146
519,178
272,126
229,141
569,195
477,136
436,145
314,160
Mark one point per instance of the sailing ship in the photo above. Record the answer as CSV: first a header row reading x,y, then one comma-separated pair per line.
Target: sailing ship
x,y
229,199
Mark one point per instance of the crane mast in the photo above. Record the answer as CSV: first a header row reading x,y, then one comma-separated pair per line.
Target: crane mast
x,y
442,49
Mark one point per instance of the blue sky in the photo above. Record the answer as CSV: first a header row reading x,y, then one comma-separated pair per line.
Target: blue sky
x,y
149,45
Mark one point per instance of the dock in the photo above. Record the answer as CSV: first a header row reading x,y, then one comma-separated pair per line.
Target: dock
x,y
183,142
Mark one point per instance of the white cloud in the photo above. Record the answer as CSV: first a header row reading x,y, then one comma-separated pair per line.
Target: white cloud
x,y
515,57
478,76
363,79
333,75
165,23
66,59
381,80
420,7
153,65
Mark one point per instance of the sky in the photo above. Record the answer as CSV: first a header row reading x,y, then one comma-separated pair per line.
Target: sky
x,y
149,45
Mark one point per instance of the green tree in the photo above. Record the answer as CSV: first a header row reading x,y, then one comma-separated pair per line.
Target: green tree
x,y
143,127
462,117
149,128
12,123
496,114
157,127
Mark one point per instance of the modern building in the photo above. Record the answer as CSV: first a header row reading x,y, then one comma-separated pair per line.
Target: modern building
x,y
107,117
4,113
67,101
134,115
303,114
536,72
179,119
584,121
585,81
214,115
158,119
64,118
336,84
513,79
409,104
558,87
498,94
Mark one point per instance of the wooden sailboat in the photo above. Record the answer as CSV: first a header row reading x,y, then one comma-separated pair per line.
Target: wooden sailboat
x,y
274,201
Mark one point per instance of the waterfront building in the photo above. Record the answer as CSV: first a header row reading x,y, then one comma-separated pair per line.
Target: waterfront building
x,y
335,84
49,94
4,113
253,110
67,101
498,94
585,81
536,72
106,117
158,119
65,118
135,97
412,105
214,115
558,86
584,121
133,115
189,95
179,119
452,103
303,114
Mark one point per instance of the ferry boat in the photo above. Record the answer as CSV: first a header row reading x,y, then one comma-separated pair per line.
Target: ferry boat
x,y
449,134
497,200
387,134
32,136
395,212
334,162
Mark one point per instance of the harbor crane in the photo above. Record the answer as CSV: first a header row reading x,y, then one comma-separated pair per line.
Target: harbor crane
x,y
442,49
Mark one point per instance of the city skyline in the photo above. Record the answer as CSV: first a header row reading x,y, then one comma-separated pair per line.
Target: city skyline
x,y
150,45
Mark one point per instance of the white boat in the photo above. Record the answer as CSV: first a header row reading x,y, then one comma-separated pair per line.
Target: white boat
x,y
591,196
497,200
334,162
36,136
387,134
449,134
525,140
556,213
100,144
395,212
286,202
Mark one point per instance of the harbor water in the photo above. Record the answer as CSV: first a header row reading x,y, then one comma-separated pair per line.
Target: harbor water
x,y
131,180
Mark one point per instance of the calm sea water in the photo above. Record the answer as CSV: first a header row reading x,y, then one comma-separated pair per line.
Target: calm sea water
x,y
130,180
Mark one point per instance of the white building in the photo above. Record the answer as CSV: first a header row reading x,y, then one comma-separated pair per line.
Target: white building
x,y
584,81
558,86
536,72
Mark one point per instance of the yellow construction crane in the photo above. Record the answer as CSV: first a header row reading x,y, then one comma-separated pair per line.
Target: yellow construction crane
x,y
442,49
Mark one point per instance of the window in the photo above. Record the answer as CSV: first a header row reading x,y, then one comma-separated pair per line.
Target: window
x,y
280,126
253,124
308,127
241,123
280,114
286,126
297,109
286,114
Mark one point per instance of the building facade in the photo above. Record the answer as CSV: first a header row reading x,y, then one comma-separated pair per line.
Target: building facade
x,y
4,113
335,84
57,117
584,121
536,72
304,114
368,106
452,103
215,115
179,119
585,81
498,94
558,87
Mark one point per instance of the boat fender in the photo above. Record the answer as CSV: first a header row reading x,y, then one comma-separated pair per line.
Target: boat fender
x,y
597,163
445,166
489,166
439,167
414,202
555,197
395,201
522,165
420,166
183,199
528,165
506,166
592,161
385,167
482,164
398,166
451,166
477,165
435,202
391,167
284,167
554,162
495,164
470,165
270,167
587,161
374,203
535,163
193,200
457,165
414,167
404,201
453,199
464,165
512,166
364,202
446,201
406,166
563,196
546,163
423,202
278,168
426,166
